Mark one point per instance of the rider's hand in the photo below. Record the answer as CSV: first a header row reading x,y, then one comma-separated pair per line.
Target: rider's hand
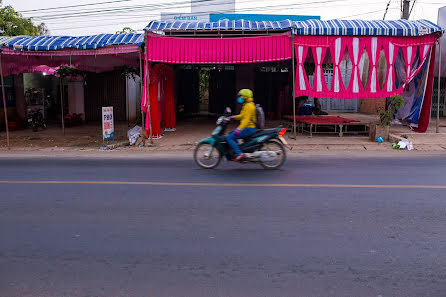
x,y
237,132
230,118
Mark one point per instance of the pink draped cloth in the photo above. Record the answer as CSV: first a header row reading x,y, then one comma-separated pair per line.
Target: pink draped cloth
x,y
357,46
230,50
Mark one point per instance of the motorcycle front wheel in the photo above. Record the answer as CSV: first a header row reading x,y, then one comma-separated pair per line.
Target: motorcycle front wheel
x,y
206,156
281,155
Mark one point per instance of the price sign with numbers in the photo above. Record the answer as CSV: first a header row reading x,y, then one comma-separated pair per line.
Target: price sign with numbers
x,y
108,129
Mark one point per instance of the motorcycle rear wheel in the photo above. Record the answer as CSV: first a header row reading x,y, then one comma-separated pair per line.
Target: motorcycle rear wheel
x,y
206,156
277,147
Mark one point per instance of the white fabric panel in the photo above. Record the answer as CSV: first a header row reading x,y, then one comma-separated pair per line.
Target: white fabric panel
x,y
374,62
390,77
319,69
336,78
355,68
301,68
409,61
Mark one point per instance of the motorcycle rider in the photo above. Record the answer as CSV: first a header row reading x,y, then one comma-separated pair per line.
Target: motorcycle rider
x,y
247,118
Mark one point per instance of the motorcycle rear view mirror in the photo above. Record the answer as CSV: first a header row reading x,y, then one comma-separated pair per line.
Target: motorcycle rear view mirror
x,y
228,111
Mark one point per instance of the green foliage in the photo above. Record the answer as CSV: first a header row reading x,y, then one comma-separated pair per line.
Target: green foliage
x,y
204,82
128,72
67,71
126,30
13,23
386,116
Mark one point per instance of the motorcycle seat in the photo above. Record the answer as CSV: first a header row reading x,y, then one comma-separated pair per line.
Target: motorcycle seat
x,y
260,133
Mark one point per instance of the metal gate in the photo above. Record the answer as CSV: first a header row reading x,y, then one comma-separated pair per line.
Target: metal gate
x,y
442,97
105,89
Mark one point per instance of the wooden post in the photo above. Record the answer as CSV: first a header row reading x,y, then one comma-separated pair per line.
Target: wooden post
x,y
141,75
61,105
294,85
5,108
147,93
437,128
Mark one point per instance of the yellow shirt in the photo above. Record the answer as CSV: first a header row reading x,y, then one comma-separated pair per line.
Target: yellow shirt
x,y
248,115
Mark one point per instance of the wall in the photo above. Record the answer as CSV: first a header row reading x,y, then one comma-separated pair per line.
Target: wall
x,y
76,102
372,105
20,97
244,76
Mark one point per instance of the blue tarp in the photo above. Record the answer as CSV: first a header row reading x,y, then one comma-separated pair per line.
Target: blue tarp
x,y
310,27
47,43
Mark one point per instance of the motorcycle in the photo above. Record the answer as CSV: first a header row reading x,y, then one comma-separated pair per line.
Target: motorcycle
x,y
35,119
266,147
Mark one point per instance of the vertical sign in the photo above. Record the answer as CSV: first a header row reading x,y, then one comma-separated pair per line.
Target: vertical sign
x,y
108,129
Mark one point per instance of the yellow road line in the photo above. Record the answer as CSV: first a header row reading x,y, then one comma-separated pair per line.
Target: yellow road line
x,y
192,184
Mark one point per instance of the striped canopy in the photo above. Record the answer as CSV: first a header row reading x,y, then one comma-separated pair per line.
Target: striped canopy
x,y
226,25
310,27
366,28
47,43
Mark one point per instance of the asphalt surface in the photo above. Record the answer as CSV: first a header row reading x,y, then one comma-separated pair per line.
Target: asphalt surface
x,y
177,238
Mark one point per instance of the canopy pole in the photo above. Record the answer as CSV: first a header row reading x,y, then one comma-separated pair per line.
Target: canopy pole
x,y
147,93
437,128
61,105
143,127
294,85
5,109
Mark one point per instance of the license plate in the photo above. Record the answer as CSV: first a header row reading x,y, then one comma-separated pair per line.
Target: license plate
x,y
30,120
284,142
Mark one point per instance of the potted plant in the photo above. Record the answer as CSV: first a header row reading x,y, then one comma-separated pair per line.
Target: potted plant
x,y
386,118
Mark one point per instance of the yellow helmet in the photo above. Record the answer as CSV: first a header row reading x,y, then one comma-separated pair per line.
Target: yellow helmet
x,y
246,93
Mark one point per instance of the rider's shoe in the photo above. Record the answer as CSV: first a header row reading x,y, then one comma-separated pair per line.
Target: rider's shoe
x,y
239,158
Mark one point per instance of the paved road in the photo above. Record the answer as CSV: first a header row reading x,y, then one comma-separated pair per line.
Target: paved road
x,y
126,239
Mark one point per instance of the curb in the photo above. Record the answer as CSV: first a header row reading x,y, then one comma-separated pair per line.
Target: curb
x,y
395,138
115,145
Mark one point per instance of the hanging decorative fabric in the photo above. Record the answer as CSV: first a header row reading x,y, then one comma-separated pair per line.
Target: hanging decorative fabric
x,y
302,83
217,50
374,49
319,83
355,49
424,52
409,56
162,101
356,45
153,117
391,53
338,48
168,114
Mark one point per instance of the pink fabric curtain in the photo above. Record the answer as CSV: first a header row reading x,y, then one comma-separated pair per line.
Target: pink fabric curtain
x,y
110,50
184,50
15,62
357,45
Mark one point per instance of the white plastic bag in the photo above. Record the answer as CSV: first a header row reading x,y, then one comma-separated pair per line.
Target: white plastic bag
x,y
133,134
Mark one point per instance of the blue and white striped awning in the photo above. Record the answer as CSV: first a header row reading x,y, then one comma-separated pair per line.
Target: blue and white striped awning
x,y
310,27
48,43
367,28
222,25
